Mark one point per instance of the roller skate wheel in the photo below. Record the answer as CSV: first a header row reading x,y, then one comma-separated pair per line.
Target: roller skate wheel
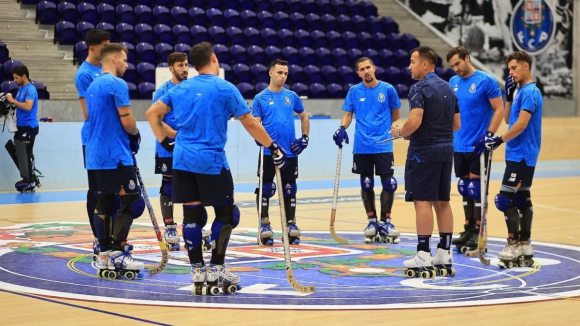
x,y
463,250
410,273
368,240
129,275
510,264
230,288
425,274
452,272
213,290
100,273
443,272
501,264
389,240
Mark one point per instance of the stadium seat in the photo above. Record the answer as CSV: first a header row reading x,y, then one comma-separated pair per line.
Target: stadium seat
x,y
403,57
335,39
354,54
242,73
107,13
286,37
214,4
396,41
256,54
80,52
368,8
352,41
9,86
280,6
303,38
132,56
308,56
41,89
389,25
375,25
216,17
197,3
239,54
402,90
335,91
272,53
313,74
354,7
314,22
65,33
249,18
348,75
146,90
318,90
387,58
298,21
344,23
233,18
295,6
146,53
88,13
373,55
310,6
252,36
180,15
269,37
282,20
144,14
68,11
380,73
410,41
222,53
340,8
394,76
133,93
146,72
346,87
341,57
46,13
163,50
300,89
366,40
163,33
380,40
260,86
144,33
125,33
182,47
266,20
130,74
4,54
319,39
296,74
217,35
125,14
260,73
227,71
183,3
199,34
325,7
330,23
109,28
197,16
329,74
181,34
247,90
161,15
325,57
82,29
291,55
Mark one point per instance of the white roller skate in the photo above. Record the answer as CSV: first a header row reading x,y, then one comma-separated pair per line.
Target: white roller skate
x,y
218,276
266,232
121,263
371,231
102,262
509,255
421,264
293,233
198,277
171,236
388,233
527,254
206,239
96,249
442,263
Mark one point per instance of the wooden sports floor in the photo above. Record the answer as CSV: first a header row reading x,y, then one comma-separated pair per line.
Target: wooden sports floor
x,y
556,220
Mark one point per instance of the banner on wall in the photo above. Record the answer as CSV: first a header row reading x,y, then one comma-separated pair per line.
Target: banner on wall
x,y
492,29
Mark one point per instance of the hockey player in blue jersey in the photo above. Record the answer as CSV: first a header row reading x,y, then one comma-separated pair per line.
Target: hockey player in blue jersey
x,y
375,105
523,113
201,175
87,72
21,150
481,105
275,107
112,140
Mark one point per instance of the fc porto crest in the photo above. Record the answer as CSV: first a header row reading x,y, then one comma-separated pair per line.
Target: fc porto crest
x,y
287,100
163,168
381,97
131,184
533,25
472,88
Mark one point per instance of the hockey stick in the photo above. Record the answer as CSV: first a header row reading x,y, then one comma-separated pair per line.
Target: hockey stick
x,y
259,201
485,171
162,244
389,139
289,273
335,236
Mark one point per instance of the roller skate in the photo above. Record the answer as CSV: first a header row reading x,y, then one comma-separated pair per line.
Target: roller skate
x,y
372,231
198,277
388,233
442,263
421,264
509,256
171,236
526,259
218,276
121,263
206,239
30,184
102,262
266,232
293,233
464,237
96,249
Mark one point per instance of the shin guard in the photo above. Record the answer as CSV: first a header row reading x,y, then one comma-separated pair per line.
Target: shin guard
x,y
226,219
92,197
194,219
368,199
524,204
386,204
166,209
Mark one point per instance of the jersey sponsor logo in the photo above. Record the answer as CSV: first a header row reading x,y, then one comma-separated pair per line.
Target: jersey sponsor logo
x,y
381,97
163,168
287,101
533,25
271,102
456,88
362,99
513,177
132,185
367,183
472,88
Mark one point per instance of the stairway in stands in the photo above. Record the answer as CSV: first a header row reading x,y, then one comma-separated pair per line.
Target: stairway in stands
x,y
32,44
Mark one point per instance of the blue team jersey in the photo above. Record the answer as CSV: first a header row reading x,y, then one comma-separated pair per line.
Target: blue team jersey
x,y
473,95
84,77
527,144
108,142
433,140
372,109
23,117
202,107
276,111
169,118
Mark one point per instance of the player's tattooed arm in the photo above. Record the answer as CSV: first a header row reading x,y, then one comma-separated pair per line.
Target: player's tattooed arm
x,y
128,120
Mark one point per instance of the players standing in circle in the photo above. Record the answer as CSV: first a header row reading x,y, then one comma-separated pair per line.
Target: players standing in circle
x,y
481,104
21,151
201,175
275,107
375,105
112,140
87,72
523,113
433,117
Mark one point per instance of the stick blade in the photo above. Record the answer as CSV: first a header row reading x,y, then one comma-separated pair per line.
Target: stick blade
x,y
297,286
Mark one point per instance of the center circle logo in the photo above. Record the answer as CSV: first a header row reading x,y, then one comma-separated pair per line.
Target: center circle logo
x,y
55,259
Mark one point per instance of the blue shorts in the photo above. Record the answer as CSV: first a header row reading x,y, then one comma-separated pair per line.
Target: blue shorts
x,y
93,184
516,172
428,181
289,173
366,164
163,165
210,189
111,181
466,163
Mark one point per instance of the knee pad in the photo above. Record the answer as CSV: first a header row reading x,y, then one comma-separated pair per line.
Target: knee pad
x,y
522,199
474,189
389,183
227,214
166,188
268,189
503,200
462,185
194,214
102,219
107,204
367,182
132,204
289,189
